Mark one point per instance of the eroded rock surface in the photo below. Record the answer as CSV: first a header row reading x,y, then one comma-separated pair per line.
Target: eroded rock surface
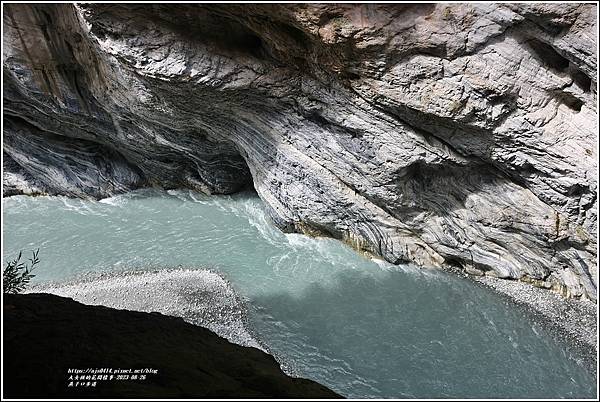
x,y
447,134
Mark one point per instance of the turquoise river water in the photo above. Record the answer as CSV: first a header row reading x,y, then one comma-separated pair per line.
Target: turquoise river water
x,y
362,327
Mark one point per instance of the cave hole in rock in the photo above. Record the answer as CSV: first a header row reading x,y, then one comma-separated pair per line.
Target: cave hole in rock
x,y
215,167
581,79
230,173
551,58
570,100
251,43
548,55
223,33
241,40
296,35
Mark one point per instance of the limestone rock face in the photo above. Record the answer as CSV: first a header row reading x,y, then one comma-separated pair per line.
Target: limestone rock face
x,y
445,135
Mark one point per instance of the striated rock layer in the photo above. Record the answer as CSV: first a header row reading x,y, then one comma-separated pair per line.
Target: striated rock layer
x,y
446,135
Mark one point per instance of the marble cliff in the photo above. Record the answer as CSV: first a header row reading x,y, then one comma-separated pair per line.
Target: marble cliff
x,y
453,135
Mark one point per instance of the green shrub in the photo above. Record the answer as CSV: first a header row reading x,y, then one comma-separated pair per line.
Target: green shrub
x,y
17,274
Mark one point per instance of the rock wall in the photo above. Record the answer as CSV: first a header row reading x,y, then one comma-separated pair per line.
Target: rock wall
x,y
458,135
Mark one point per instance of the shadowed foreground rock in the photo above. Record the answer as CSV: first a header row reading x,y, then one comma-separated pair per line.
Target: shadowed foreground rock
x,y
45,335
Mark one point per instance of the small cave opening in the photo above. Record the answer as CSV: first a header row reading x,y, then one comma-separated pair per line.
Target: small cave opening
x,y
548,55
296,35
316,117
349,75
221,173
250,43
226,33
582,80
570,100
551,58
241,40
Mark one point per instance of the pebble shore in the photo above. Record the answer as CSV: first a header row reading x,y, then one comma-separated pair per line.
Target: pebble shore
x,y
573,321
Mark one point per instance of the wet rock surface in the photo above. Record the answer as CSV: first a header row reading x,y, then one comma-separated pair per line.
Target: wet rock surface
x,y
46,335
448,135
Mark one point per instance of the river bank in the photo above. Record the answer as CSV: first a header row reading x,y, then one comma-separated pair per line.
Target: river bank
x,y
574,322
